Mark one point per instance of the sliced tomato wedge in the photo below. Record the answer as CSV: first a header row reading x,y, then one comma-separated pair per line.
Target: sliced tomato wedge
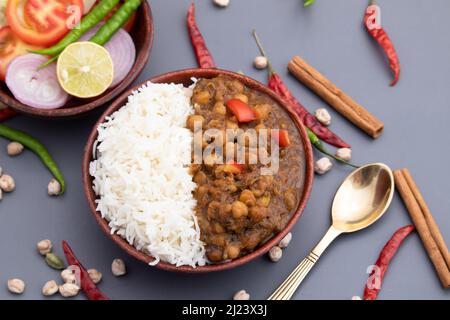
x,y
241,110
43,22
281,137
130,22
11,47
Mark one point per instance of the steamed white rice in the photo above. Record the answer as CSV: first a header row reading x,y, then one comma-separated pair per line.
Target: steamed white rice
x,y
141,175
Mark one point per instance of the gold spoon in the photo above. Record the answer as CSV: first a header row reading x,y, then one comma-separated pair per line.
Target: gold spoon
x,y
362,199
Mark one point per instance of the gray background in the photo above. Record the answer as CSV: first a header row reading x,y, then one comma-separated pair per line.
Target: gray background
x,y
330,36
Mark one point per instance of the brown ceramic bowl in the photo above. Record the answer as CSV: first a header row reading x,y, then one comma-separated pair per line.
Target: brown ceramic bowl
x,y
184,77
142,34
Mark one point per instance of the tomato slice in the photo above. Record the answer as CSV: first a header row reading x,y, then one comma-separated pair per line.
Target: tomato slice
x,y
11,47
43,22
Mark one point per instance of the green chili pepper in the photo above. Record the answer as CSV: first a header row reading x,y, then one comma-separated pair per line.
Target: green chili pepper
x,y
307,3
317,143
115,22
110,27
97,14
34,145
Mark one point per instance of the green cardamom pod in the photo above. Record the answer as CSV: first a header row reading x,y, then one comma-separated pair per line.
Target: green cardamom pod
x,y
54,261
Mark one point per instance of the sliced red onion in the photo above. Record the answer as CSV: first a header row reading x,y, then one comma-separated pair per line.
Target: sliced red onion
x,y
122,50
37,89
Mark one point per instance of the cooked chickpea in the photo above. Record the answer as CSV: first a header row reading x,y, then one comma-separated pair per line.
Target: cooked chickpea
x,y
193,119
217,228
220,108
210,160
202,97
237,86
260,127
264,201
200,178
232,125
290,199
241,97
214,254
257,214
262,111
248,198
239,209
232,251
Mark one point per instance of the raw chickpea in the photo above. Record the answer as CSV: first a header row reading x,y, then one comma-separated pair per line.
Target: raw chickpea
x,y
14,148
241,295
54,188
16,286
118,267
68,290
50,288
275,254
95,275
285,241
248,198
7,183
241,97
192,120
260,62
239,209
44,246
202,97
220,108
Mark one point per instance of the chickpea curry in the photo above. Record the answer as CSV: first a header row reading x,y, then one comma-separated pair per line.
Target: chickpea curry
x,y
238,208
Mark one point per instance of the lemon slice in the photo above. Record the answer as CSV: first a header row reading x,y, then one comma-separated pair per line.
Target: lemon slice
x,y
85,69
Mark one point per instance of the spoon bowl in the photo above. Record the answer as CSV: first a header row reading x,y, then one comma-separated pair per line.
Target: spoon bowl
x,y
363,198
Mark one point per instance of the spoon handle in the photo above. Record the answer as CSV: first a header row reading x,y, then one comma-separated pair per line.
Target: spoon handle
x,y
287,289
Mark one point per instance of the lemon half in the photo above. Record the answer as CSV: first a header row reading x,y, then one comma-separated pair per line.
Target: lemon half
x,y
85,69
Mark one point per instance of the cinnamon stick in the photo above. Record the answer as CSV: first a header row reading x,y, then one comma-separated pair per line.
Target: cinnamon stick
x,y
340,101
426,227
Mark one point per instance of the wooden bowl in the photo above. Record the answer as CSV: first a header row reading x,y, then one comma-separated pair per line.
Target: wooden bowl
x,y
142,34
184,77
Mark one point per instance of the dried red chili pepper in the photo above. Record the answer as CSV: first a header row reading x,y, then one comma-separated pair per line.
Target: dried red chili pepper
x,y
87,285
204,58
7,113
373,26
386,255
277,85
